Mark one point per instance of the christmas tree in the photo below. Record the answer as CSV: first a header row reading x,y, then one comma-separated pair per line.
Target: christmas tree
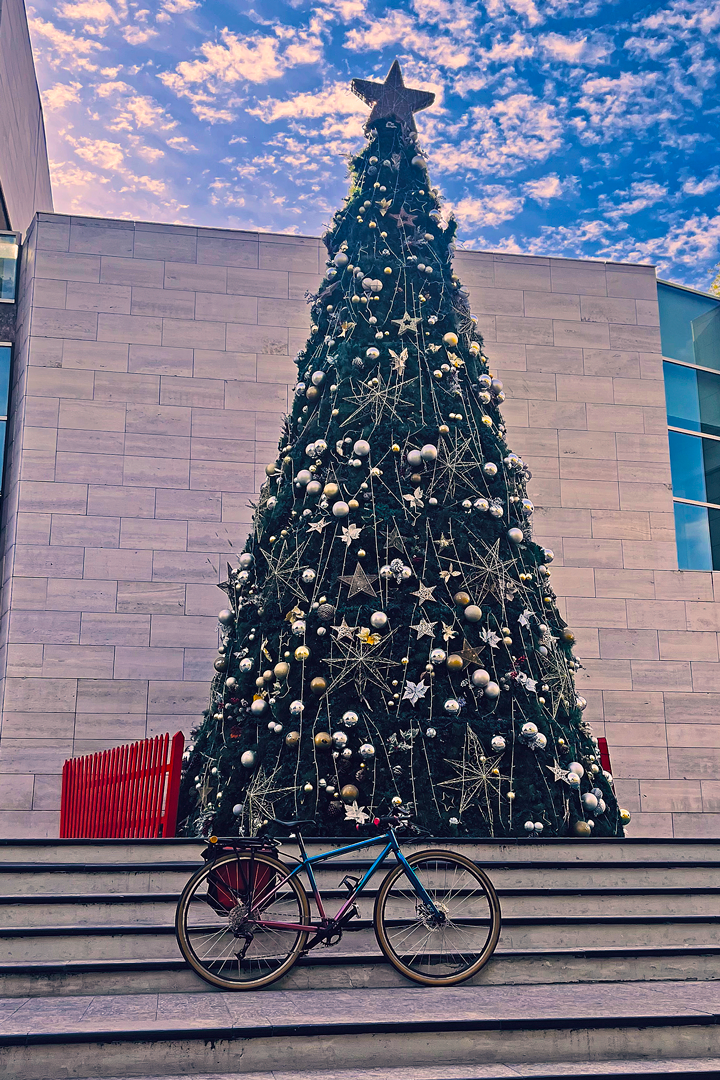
x,y
391,636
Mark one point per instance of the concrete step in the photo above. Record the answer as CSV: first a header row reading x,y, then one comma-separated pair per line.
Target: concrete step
x,y
347,970
78,878
273,1031
68,909
550,1070
546,850
138,941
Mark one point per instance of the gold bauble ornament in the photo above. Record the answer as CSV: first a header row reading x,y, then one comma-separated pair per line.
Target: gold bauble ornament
x,y
450,339
271,469
353,504
581,828
444,429
454,662
568,637
462,598
331,490
312,393
350,793
323,740
302,653
625,816
318,686
292,738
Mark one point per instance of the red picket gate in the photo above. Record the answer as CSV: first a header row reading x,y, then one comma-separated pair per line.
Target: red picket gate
x,y
604,755
129,791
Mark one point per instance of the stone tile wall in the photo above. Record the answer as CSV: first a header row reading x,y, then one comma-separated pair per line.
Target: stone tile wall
x,y
151,373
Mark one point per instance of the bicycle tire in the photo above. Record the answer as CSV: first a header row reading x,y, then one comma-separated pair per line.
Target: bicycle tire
x,y
468,962
217,879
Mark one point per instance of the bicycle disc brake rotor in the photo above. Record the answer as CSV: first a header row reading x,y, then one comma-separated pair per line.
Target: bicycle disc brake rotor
x,y
430,919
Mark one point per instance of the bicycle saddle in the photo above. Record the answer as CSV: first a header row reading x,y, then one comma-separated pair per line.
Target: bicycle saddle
x,y
291,824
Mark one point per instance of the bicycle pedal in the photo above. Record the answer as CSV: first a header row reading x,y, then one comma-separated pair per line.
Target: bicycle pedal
x,y
350,883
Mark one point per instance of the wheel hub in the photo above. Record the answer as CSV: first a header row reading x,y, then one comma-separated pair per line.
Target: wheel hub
x,y
433,920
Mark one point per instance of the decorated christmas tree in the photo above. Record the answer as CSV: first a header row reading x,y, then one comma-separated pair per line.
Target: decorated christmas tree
x,y
391,636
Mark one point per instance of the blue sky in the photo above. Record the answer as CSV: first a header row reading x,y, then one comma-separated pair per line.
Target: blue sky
x,y
564,127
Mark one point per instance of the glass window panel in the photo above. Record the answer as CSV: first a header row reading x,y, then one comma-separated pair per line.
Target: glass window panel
x,y
692,534
8,266
708,392
706,338
681,396
714,523
679,310
687,466
4,378
3,427
711,460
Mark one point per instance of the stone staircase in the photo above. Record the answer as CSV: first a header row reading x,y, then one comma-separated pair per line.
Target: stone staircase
x,y
608,952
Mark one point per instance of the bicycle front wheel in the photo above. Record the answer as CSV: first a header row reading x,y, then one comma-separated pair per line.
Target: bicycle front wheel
x,y
221,916
451,943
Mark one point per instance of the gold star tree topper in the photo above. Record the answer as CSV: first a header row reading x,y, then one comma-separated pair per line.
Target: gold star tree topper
x,y
392,99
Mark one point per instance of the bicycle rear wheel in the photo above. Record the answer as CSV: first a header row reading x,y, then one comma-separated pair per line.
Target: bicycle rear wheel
x,y
430,950
219,915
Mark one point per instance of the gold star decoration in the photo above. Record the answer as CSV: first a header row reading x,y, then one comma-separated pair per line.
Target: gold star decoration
x,y
384,205
449,632
359,582
425,592
405,324
347,329
294,613
378,400
469,654
478,779
344,631
360,663
458,463
424,629
443,542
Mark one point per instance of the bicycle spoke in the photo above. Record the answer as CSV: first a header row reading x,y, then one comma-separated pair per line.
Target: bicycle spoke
x,y
453,934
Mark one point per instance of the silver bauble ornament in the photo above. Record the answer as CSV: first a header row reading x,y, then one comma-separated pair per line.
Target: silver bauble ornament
x,y
490,468
303,477
378,620
308,576
414,458
340,739
226,617
245,560
361,448
245,665
429,453
515,535
296,708
438,656
452,706
367,751
492,690
299,627
248,759
480,678
577,768
340,509
258,706
350,718
498,743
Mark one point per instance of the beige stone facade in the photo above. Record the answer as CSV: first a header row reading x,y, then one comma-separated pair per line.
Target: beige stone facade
x,y
151,371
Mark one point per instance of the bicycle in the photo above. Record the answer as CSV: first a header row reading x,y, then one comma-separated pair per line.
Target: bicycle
x,y
243,919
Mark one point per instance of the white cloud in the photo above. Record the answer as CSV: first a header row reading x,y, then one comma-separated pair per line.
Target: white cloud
x,y
100,152
63,46
549,187
576,49
138,35
693,186
334,100
182,143
399,28
641,195
60,95
491,207
514,132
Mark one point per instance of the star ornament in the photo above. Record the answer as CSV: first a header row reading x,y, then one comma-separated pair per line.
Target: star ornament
x,y
424,628
359,582
392,99
405,324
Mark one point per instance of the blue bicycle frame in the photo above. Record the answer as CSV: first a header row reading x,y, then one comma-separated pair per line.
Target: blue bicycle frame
x,y
307,861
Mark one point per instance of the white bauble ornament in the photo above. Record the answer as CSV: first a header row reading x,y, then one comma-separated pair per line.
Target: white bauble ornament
x,y
361,448
480,678
589,801
258,706
473,613
429,453
248,759
492,690
378,620
303,477
515,535
340,509
576,767
414,458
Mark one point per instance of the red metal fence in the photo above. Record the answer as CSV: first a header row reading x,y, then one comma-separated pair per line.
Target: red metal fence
x,y
129,791
604,755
